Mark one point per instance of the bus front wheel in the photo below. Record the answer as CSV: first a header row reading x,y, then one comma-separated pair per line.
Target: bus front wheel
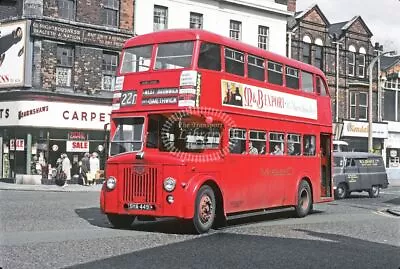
x,y
121,221
204,213
304,200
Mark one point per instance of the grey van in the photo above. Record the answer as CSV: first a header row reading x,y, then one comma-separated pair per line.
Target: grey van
x,y
357,172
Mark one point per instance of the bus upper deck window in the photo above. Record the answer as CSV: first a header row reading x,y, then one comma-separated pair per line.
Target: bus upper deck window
x,y
210,56
307,82
275,73
292,77
174,55
234,62
136,59
321,90
256,68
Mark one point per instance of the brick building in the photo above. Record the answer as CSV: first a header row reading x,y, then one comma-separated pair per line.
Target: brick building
x,y
343,51
57,65
390,81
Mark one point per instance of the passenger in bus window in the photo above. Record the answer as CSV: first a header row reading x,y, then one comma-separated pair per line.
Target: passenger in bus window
x,y
277,150
291,150
252,149
262,151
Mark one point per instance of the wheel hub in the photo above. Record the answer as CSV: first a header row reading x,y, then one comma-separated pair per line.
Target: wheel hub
x,y
205,209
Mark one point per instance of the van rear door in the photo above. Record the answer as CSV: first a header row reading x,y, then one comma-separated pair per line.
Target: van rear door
x,y
352,174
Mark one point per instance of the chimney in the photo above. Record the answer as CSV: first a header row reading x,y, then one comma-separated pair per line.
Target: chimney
x,y
291,5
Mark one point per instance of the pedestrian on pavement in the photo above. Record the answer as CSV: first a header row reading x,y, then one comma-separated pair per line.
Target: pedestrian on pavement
x,y
94,164
85,168
66,167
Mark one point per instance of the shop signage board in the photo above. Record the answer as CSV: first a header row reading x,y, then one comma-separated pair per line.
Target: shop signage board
x,y
54,115
360,129
77,146
15,54
17,144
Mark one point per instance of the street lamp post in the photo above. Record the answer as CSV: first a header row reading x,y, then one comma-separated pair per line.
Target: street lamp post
x,y
370,67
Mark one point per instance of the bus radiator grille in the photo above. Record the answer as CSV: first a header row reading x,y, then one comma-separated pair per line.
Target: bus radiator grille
x,y
140,185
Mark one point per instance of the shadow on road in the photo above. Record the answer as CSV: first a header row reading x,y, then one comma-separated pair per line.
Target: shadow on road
x,y
228,250
94,216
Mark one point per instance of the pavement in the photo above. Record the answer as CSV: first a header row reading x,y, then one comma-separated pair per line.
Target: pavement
x,y
53,188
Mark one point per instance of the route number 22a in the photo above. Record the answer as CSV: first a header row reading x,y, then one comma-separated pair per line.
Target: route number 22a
x,y
128,98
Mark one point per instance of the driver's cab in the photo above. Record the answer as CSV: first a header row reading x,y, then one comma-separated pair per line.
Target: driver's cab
x,y
340,146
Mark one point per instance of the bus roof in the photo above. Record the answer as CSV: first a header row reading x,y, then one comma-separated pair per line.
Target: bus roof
x,y
174,35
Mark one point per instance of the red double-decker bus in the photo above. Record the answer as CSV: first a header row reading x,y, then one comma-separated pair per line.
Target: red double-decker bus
x,y
206,128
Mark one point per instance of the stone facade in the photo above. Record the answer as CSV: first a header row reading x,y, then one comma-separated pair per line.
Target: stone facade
x,y
314,24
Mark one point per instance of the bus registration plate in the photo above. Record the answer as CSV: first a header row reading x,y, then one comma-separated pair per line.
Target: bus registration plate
x,y
136,206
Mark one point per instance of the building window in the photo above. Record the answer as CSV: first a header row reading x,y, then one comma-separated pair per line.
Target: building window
x,y
361,63
235,30
109,67
160,18
65,57
391,100
307,49
263,34
319,57
196,20
66,9
358,105
110,12
306,53
352,60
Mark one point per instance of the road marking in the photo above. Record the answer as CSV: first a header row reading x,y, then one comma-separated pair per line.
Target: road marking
x,y
384,214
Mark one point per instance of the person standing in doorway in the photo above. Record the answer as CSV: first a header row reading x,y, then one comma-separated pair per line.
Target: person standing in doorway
x,y
85,166
94,164
66,167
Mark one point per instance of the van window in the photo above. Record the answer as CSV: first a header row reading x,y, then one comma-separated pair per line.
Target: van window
x,y
338,162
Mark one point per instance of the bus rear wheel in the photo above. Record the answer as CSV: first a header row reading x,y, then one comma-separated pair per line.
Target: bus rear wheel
x,y
121,221
204,213
304,200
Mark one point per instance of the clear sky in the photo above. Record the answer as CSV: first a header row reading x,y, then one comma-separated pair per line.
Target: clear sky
x,y
381,16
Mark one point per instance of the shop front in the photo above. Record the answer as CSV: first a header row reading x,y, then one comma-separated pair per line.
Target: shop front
x,y
356,134
34,135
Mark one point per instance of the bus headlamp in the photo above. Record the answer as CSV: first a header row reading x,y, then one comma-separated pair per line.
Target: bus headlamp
x,y
111,183
169,184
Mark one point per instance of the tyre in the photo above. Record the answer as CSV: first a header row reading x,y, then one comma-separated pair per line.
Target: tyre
x,y
304,200
342,191
374,191
204,212
121,221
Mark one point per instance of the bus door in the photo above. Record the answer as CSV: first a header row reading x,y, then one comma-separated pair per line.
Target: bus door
x,y
326,171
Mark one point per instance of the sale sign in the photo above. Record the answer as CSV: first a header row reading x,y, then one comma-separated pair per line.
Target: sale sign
x,y
17,144
77,146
